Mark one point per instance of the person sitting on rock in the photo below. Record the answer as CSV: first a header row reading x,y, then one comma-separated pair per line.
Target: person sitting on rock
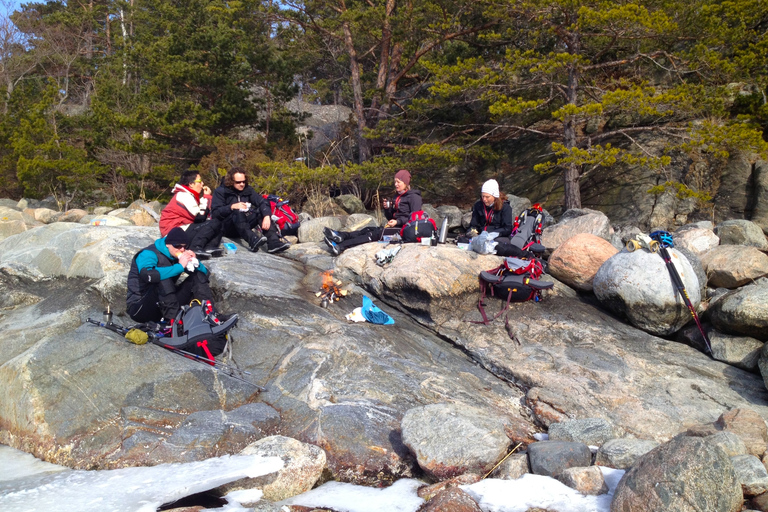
x,y
245,213
189,210
153,292
398,212
491,213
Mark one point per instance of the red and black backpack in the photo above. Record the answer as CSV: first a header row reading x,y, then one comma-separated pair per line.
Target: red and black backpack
x,y
286,219
419,226
515,280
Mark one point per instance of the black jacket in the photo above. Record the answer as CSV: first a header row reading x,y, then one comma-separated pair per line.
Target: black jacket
x,y
225,197
488,219
410,201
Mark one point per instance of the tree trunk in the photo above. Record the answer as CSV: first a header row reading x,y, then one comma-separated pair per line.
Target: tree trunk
x,y
379,98
572,172
364,150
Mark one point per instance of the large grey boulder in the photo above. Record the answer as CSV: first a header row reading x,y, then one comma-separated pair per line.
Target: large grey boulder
x,y
590,431
46,215
551,458
589,480
760,210
741,232
358,221
450,212
426,281
9,203
592,222
684,474
696,240
350,203
12,222
740,351
731,266
731,443
312,230
751,474
623,453
303,464
638,285
449,439
743,311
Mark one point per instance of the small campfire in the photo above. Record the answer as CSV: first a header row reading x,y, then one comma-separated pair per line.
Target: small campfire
x,y
331,290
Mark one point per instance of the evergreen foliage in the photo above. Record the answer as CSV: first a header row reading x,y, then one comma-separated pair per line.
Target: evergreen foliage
x,y
123,95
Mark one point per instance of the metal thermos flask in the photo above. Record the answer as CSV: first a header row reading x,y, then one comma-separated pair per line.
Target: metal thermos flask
x,y
443,231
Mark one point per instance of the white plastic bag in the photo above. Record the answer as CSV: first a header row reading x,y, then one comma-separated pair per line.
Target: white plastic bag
x,y
483,243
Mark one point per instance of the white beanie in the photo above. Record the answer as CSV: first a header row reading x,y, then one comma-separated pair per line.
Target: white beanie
x,y
491,187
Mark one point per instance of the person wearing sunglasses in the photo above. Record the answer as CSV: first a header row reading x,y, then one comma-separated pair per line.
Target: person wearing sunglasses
x,y
244,213
189,209
154,292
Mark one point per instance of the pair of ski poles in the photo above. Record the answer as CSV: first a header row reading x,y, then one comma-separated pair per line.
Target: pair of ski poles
x,y
659,241
156,339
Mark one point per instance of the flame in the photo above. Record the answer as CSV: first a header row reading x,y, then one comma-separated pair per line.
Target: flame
x,y
331,288
328,281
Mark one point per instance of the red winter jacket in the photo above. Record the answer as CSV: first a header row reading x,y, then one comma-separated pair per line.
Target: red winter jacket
x,y
185,207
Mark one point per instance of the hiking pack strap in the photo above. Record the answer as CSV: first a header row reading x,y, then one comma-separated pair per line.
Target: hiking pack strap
x,y
204,345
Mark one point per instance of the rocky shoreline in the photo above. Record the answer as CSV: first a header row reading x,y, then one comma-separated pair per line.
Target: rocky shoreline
x,y
605,361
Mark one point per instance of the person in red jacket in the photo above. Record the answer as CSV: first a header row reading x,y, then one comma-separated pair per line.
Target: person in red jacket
x,y
189,209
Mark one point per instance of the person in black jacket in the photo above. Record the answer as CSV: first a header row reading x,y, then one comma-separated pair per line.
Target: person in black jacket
x,y
245,213
492,213
398,212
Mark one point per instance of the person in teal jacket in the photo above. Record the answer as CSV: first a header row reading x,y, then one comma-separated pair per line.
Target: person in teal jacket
x,y
153,292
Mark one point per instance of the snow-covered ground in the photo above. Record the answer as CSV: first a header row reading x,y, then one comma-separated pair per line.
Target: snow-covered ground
x,y
29,485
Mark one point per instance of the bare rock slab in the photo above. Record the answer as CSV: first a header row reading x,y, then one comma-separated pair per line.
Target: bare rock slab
x,y
452,439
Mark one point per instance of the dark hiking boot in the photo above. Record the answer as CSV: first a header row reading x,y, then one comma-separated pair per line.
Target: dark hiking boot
x,y
277,246
332,235
335,249
214,252
257,240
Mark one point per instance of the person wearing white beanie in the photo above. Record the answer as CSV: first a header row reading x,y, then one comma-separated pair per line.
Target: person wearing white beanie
x,y
491,213
491,187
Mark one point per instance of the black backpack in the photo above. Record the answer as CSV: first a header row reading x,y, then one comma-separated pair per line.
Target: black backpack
x,y
516,280
197,330
527,228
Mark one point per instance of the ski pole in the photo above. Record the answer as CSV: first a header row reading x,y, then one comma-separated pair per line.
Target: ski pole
x,y
678,282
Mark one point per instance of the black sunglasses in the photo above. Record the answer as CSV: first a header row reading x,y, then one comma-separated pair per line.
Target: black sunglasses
x,y
239,182
180,247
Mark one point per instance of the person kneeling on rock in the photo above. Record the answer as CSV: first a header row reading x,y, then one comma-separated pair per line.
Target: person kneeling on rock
x,y
153,292
244,213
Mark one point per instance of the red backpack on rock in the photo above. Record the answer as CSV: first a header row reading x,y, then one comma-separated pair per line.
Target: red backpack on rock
x,y
419,226
286,220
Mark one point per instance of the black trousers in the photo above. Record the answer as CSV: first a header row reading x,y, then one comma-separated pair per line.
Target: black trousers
x,y
240,224
204,235
361,236
164,299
